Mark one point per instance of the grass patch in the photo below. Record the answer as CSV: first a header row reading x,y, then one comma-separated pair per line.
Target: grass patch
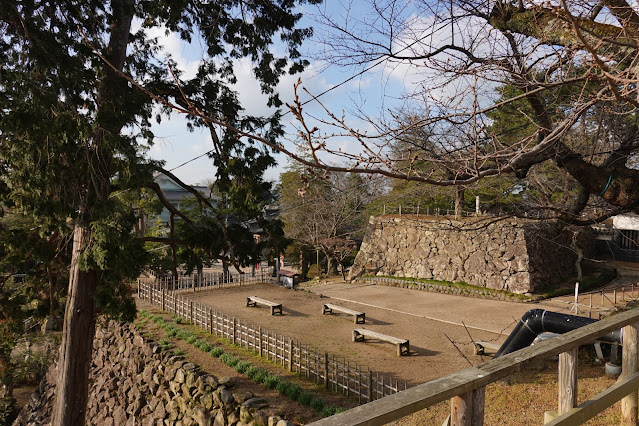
x,y
413,282
242,366
271,381
317,405
305,398
216,352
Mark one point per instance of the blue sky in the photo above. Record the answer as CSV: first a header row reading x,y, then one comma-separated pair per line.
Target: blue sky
x,y
175,145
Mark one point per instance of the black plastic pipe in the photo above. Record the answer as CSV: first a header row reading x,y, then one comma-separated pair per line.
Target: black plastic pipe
x,y
538,321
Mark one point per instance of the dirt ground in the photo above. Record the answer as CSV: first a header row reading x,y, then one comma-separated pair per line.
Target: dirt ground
x,y
432,322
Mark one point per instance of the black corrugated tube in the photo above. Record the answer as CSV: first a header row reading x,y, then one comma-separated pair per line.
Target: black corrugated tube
x,y
538,321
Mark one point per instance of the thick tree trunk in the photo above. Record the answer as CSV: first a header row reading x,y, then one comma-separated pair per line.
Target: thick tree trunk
x,y
77,340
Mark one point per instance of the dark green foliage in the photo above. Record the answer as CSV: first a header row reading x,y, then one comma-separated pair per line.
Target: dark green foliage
x,y
271,381
305,398
8,411
260,376
229,359
216,352
242,366
329,410
317,404
283,387
252,371
294,391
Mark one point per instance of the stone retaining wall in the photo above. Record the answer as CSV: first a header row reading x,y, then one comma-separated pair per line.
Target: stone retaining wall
x,y
515,255
133,382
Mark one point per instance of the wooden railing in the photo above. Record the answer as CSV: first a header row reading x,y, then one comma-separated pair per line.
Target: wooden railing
x,y
466,388
333,372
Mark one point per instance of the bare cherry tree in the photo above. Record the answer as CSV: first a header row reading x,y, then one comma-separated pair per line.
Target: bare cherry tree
x,y
504,87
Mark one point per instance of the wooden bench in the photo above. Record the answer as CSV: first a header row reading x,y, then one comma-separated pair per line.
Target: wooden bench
x,y
358,317
254,300
402,344
480,347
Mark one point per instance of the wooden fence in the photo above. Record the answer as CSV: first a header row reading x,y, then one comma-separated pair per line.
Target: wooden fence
x,y
466,389
209,280
334,372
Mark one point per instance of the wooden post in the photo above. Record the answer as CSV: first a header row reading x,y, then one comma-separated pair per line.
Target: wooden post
x,y
461,409
290,355
191,311
233,330
370,385
614,292
479,398
259,340
628,367
567,380
623,293
326,370
210,321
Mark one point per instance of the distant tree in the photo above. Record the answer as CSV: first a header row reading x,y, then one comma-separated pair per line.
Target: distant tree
x,y
73,129
324,215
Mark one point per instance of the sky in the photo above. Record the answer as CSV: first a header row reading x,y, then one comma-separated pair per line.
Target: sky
x,y
175,145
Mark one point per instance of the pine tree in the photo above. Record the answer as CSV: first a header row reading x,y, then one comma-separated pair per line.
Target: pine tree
x,y
73,129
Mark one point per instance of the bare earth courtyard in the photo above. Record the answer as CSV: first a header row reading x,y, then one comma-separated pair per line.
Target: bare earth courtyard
x,y
429,320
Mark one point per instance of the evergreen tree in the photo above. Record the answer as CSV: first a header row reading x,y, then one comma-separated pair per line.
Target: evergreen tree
x,y
73,131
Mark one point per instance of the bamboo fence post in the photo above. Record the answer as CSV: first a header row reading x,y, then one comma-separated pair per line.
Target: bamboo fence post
x,y
326,384
259,340
290,355
567,381
191,311
348,373
628,367
370,386
234,339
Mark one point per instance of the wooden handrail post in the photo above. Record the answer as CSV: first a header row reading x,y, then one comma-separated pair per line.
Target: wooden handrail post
x,y
461,407
567,380
468,409
628,367
479,398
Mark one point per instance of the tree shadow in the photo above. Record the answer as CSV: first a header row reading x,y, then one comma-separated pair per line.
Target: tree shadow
x,y
373,321
293,313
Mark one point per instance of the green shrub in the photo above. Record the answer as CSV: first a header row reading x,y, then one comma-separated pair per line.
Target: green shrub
x,y
179,351
271,381
171,333
199,343
313,271
252,371
242,366
328,410
179,320
260,376
216,351
305,398
294,392
8,411
283,387
317,405
190,339
229,359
